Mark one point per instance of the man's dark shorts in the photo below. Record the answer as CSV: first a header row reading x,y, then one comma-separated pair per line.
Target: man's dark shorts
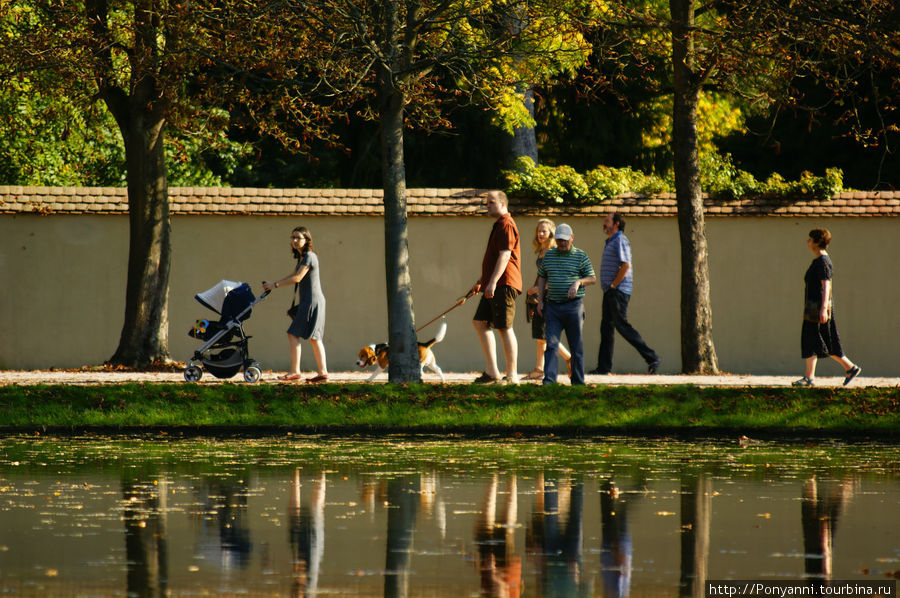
x,y
500,310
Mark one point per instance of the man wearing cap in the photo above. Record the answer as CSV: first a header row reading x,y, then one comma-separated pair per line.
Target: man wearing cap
x,y
562,276
616,276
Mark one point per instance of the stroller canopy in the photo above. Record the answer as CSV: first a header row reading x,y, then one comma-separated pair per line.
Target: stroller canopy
x,y
228,298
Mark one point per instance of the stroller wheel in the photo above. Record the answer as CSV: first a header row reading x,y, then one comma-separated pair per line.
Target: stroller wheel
x,y
193,373
252,374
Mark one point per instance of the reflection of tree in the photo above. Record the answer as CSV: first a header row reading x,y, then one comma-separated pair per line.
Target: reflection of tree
x,y
554,538
403,500
500,566
146,543
696,510
822,505
307,535
615,550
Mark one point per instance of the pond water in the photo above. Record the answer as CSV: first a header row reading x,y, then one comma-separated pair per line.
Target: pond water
x,y
449,517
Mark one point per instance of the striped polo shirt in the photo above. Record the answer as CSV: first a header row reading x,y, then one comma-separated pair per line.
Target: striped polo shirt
x,y
616,252
560,270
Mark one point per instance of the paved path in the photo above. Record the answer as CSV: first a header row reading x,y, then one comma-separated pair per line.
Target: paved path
x,y
24,377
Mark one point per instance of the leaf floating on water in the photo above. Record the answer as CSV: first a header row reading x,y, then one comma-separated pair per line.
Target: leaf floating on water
x,y
665,513
764,515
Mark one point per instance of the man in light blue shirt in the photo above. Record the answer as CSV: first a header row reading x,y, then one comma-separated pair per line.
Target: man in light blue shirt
x,y
616,278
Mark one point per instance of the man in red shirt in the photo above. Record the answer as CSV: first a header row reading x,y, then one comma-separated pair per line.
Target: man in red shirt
x,y
500,283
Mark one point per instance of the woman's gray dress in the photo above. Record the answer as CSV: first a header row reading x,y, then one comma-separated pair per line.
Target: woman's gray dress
x,y
310,319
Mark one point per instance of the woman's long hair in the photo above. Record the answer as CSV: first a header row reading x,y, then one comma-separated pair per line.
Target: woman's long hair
x,y
535,244
308,246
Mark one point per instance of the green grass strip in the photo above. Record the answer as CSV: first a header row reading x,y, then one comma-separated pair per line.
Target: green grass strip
x,y
450,407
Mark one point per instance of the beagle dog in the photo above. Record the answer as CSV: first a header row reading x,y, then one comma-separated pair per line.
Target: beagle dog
x,y
377,355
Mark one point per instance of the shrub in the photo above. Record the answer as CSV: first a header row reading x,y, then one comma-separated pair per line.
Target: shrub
x,y
605,182
559,184
719,177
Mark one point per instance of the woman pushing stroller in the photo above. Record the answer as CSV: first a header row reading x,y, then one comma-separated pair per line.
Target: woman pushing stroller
x,y
309,319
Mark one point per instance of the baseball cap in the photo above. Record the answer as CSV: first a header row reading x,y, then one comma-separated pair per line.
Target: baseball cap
x,y
564,232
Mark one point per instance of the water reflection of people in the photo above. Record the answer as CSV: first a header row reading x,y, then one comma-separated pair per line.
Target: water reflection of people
x,y
225,502
498,563
146,540
403,500
822,504
432,502
696,514
615,549
307,535
554,538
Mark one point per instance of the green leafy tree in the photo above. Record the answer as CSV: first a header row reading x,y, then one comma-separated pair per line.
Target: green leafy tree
x,y
52,140
398,63
138,58
756,51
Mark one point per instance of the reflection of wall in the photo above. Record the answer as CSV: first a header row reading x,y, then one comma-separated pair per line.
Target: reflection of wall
x,y
83,259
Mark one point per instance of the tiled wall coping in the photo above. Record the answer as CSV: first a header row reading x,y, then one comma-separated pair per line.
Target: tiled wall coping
x,y
420,202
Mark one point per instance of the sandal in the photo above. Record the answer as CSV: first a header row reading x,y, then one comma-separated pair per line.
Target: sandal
x,y
535,374
804,381
485,379
851,374
289,377
317,379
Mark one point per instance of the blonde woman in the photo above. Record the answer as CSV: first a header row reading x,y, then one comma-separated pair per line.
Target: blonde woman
x,y
543,240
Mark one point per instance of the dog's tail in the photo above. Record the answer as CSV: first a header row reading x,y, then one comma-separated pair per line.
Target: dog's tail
x,y
442,330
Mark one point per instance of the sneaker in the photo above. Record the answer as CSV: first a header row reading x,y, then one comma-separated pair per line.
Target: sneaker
x,y
651,369
851,374
508,380
804,381
598,372
485,379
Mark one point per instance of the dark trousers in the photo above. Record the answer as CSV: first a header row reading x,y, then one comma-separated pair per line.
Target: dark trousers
x,y
614,318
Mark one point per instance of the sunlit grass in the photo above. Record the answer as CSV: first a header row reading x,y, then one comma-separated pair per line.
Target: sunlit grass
x,y
450,407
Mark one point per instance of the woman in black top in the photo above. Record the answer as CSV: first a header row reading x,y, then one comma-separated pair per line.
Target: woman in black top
x,y
819,336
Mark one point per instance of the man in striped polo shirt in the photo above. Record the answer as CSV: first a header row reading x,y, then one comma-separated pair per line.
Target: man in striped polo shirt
x,y
562,276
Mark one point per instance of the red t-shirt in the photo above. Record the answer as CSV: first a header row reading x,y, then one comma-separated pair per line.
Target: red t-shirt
x,y
504,237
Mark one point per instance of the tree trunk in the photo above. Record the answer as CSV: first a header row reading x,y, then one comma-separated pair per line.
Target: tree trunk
x,y
145,333
140,114
698,354
403,351
523,141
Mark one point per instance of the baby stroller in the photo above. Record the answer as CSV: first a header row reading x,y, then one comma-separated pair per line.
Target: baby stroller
x,y
225,351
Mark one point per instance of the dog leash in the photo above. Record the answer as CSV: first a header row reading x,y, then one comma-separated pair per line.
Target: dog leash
x,y
459,302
